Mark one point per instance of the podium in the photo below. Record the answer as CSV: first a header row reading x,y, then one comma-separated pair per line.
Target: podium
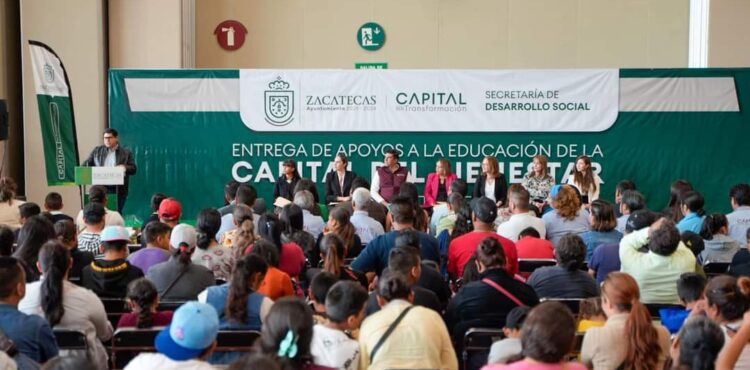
x,y
112,177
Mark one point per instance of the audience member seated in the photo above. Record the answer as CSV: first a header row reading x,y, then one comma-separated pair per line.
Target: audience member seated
x,y
546,338
186,343
399,347
287,334
566,216
53,203
606,258
312,224
332,253
293,221
339,225
318,208
491,184
156,200
374,258
462,248
238,303
65,230
739,219
34,233
143,300
89,239
538,182
646,344
719,247
458,187
245,195
509,347
291,257
692,210
447,222
244,232
157,236
657,270
98,195
319,286
485,303
178,279
230,195
109,276
690,288
530,245
588,183
210,254
590,314
518,205
6,241
367,227
677,191
256,361
345,308
276,283
26,211
170,212
741,261
9,214
603,223
31,334
430,277
421,218
630,201
566,279
696,244
66,305
698,344
284,186
620,189
374,209
727,300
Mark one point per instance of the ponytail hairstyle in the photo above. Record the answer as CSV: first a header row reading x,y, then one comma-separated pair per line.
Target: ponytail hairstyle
x,y
287,333
267,251
584,180
243,217
8,189
344,228
269,228
463,223
700,342
142,294
65,231
712,224
55,260
332,248
34,233
246,270
410,191
392,285
694,202
676,193
292,217
183,240
490,254
208,224
729,295
622,291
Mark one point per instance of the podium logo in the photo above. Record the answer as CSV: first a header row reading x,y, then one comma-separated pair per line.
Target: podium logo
x,y
49,73
279,103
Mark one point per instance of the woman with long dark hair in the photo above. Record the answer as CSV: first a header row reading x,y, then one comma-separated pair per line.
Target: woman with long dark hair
x,y
35,232
291,257
293,220
66,305
585,180
340,225
693,212
143,300
276,283
719,246
332,250
677,192
728,298
210,254
421,218
646,344
697,345
285,184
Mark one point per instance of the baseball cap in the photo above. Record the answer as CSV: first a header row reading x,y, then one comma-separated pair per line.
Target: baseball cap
x,y
183,233
485,209
193,329
170,209
516,317
114,233
640,219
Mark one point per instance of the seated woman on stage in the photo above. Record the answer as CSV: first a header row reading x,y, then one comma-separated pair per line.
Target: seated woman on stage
x,y
492,182
285,184
585,180
538,182
339,181
438,183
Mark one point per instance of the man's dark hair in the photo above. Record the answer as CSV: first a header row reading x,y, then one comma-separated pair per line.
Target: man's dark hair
x,y
345,299
408,238
529,231
459,186
29,209
741,194
98,194
111,131
402,210
403,259
93,213
320,285
694,202
53,201
246,194
690,287
154,229
570,252
548,331
156,201
394,153
623,186
633,199
665,239
230,189
360,182
6,241
11,274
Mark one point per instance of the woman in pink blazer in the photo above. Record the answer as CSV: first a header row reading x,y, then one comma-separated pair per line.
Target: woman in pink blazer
x,y
438,183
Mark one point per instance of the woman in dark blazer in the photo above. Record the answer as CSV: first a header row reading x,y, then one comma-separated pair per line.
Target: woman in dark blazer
x,y
339,181
491,173
285,184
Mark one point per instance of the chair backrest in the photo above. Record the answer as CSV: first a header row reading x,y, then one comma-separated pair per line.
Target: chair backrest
x,y
132,248
236,340
479,340
70,339
169,305
653,309
574,304
716,268
528,265
115,307
128,342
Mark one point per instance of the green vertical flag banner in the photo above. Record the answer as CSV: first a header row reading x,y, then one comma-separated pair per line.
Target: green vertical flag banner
x,y
54,97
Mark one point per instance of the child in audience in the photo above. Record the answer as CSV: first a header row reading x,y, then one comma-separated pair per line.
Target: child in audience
x,y
143,301
53,203
697,346
287,333
719,246
276,283
591,314
319,287
505,349
65,230
345,308
690,287
109,276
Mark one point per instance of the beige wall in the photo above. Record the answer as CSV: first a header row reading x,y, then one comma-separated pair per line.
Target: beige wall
x,y
728,31
449,33
75,30
10,89
145,34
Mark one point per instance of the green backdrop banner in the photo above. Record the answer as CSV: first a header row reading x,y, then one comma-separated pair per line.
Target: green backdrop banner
x,y
189,140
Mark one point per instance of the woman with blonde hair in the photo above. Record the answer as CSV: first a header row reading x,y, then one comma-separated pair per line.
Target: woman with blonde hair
x,y
438,183
646,344
538,182
567,217
492,182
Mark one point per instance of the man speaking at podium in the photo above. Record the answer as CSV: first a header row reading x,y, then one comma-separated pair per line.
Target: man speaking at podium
x,y
111,154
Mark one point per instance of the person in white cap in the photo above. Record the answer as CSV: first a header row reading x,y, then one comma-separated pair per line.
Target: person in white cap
x,y
109,276
179,278
186,343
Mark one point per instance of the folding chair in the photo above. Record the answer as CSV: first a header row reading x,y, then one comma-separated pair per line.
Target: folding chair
x,y
128,342
715,268
528,265
236,340
71,340
574,304
170,305
653,309
115,307
477,342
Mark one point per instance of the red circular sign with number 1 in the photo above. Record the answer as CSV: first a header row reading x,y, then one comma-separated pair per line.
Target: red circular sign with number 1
x,y
230,35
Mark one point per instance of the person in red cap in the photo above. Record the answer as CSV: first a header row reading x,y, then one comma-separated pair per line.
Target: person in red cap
x,y
170,211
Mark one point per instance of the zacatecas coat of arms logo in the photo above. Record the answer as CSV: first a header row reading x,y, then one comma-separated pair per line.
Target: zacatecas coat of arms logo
x,y
279,103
